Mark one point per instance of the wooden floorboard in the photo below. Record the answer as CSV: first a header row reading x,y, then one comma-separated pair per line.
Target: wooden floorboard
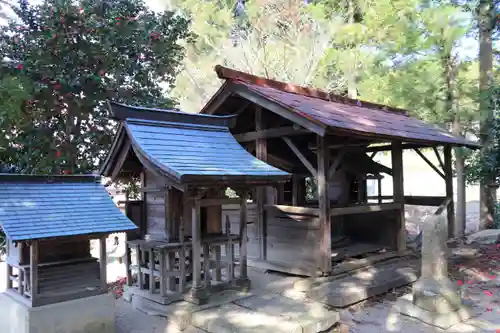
x,y
354,250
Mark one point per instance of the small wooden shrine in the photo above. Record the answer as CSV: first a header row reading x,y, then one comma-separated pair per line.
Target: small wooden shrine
x,y
328,141
184,163
49,222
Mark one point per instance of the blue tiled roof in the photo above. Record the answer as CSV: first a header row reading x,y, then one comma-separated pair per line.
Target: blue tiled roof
x,y
34,207
192,149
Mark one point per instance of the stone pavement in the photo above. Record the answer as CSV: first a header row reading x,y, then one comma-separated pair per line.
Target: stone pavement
x,y
271,306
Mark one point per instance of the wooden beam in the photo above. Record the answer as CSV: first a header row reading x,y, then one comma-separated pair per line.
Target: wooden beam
x,y
438,156
219,202
372,155
270,133
363,209
120,160
103,264
403,146
34,270
448,172
279,162
325,251
335,164
301,156
294,210
398,192
429,163
424,201
312,126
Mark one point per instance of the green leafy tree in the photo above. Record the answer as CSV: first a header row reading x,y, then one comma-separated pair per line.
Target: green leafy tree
x,y
62,60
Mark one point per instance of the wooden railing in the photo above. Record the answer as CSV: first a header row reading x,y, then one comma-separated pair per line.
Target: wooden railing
x,y
433,201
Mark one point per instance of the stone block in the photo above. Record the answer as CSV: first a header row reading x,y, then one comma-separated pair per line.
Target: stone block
x,y
85,315
405,306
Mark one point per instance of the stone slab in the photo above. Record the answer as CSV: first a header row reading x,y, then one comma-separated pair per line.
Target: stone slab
x,y
85,315
312,316
364,284
232,318
180,313
405,306
485,237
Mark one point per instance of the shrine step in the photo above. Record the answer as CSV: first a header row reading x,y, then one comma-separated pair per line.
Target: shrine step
x,y
365,283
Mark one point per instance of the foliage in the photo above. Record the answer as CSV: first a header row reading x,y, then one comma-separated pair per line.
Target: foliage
x,y
485,162
63,60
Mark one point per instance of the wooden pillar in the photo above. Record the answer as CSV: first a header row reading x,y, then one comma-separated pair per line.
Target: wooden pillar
x,y
448,177
261,193
379,189
140,277
229,251
182,258
102,264
152,284
164,286
218,266
243,236
128,260
34,270
324,253
196,244
9,275
295,190
398,192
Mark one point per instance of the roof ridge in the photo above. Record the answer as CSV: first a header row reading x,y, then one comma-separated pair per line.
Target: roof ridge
x,y
47,179
235,75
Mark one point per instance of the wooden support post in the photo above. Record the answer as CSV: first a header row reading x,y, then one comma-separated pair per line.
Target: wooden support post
x,y
196,244
182,258
229,251
170,257
218,271
9,274
448,172
324,254
128,259
20,286
103,263
261,197
34,270
295,190
398,192
206,265
152,285
140,277
163,283
243,236
379,190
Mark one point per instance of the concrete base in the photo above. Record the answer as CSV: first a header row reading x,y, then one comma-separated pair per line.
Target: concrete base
x,y
405,306
94,314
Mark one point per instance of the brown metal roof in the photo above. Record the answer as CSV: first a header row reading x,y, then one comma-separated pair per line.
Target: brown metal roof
x,y
343,114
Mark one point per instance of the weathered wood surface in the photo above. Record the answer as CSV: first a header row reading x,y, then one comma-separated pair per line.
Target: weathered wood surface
x,y
448,172
325,225
398,191
354,250
155,208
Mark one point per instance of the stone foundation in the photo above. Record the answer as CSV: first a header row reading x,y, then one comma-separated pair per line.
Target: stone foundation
x,y
86,315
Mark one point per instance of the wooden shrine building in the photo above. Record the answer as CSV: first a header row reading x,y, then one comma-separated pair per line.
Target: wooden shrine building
x,y
49,222
328,141
184,164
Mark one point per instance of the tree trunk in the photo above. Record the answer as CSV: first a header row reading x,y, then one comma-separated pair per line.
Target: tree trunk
x,y
487,194
450,66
